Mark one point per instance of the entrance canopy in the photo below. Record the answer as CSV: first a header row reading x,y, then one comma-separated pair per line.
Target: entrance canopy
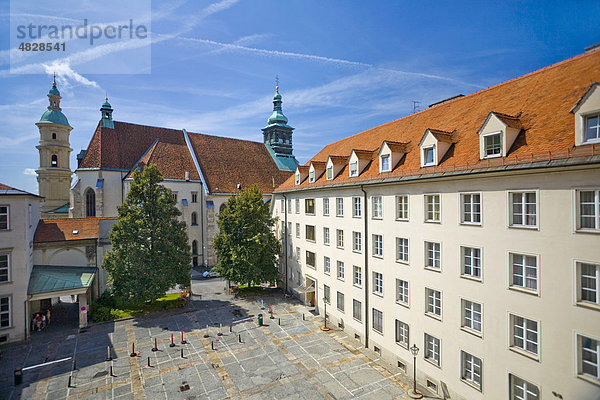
x,y
54,281
306,289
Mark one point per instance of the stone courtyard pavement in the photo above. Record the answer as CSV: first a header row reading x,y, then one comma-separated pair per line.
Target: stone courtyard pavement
x,y
293,360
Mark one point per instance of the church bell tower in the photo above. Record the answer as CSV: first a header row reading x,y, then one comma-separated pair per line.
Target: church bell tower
x,y
278,136
54,173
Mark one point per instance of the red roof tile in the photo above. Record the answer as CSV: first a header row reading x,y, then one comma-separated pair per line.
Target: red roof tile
x,y
62,229
542,100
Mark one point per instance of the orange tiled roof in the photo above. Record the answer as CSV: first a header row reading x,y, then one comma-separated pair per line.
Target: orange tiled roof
x,y
224,162
541,99
9,190
61,229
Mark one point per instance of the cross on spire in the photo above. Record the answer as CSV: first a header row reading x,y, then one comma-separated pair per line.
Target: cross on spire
x,y
277,82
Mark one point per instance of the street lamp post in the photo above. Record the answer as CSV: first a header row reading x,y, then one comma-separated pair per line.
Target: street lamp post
x,y
414,394
325,328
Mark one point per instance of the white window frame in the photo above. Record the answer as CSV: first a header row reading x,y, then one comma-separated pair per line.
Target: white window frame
x,y
426,263
377,245
314,265
577,210
433,353
402,256
327,294
357,276
580,362
357,241
438,205
511,272
314,230
339,238
526,386
377,207
377,283
297,230
403,292
402,330
297,206
424,156
326,207
353,168
584,119
339,207
311,176
326,265
326,236
340,270
356,207
380,319
7,213
595,279
337,302
468,370
8,266
468,321
314,206
8,312
463,213
389,163
399,208
523,336
329,173
354,308
297,178
483,138
463,265
511,215
431,300
298,254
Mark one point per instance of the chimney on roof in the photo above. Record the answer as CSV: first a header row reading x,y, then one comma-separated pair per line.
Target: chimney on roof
x,y
592,47
187,175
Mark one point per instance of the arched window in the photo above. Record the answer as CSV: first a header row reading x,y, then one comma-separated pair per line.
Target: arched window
x,y
90,203
54,136
54,162
223,206
194,218
195,253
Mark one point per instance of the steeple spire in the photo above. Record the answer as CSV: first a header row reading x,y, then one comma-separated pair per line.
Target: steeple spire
x,y
278,135
106,110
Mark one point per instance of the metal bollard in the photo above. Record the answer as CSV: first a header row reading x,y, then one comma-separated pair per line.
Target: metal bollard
x,y
111,371
69,384
206,335
182,354
74,365
240,338
279,321
212,345
303,319
220,333
133,353
108,356
155,348
230,328
182,339
149,362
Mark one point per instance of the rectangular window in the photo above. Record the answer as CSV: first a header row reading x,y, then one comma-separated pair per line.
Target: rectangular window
x,y
310,259
428,156
326,239
327,294
297,230
471,369
4,267
588,282
432,349
297,178
357,275
340,270
433,300
357,310
471,315
378,245
310,232
402,207
298,254
385,163
470,208
329,173
377,283
5,312
377,320
402,331
523,271
402,291
402,250
356,207
311,176
471,262
492,145
289,205
523,209
309,206
195,199
339,238
592,127
297,206
357,241
339,207
433,255
520,389
340,301
524,334
354,168
588,357
377,207
588,209
325,206
432,208
327,265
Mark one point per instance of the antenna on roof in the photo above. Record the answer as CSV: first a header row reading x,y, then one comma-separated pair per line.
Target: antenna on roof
x,y
416,106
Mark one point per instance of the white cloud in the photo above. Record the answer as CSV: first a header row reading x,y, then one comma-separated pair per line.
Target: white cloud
x,y
29,171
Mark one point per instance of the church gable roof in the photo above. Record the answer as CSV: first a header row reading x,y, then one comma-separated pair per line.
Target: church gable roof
x,y
62,229
173,161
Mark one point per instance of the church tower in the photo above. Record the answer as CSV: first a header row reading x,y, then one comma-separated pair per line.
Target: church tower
x,y
54,173
278,137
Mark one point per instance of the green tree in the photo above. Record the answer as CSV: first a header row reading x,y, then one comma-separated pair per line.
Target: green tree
x,y
150,252
246,245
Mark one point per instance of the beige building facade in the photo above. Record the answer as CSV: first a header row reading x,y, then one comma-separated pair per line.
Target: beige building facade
x,y
475,238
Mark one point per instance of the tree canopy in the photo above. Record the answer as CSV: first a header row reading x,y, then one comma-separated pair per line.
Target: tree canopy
x,y
150,251
246,245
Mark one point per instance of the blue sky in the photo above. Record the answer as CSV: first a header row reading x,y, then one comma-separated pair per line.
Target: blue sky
x,y
343,67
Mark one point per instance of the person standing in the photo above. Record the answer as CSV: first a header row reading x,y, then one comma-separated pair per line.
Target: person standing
x,y
38,322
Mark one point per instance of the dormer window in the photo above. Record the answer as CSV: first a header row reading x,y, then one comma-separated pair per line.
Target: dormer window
x,y
297,178
354,168
587,116
492,144
429,156
311,176
385,163
592,128
329,173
